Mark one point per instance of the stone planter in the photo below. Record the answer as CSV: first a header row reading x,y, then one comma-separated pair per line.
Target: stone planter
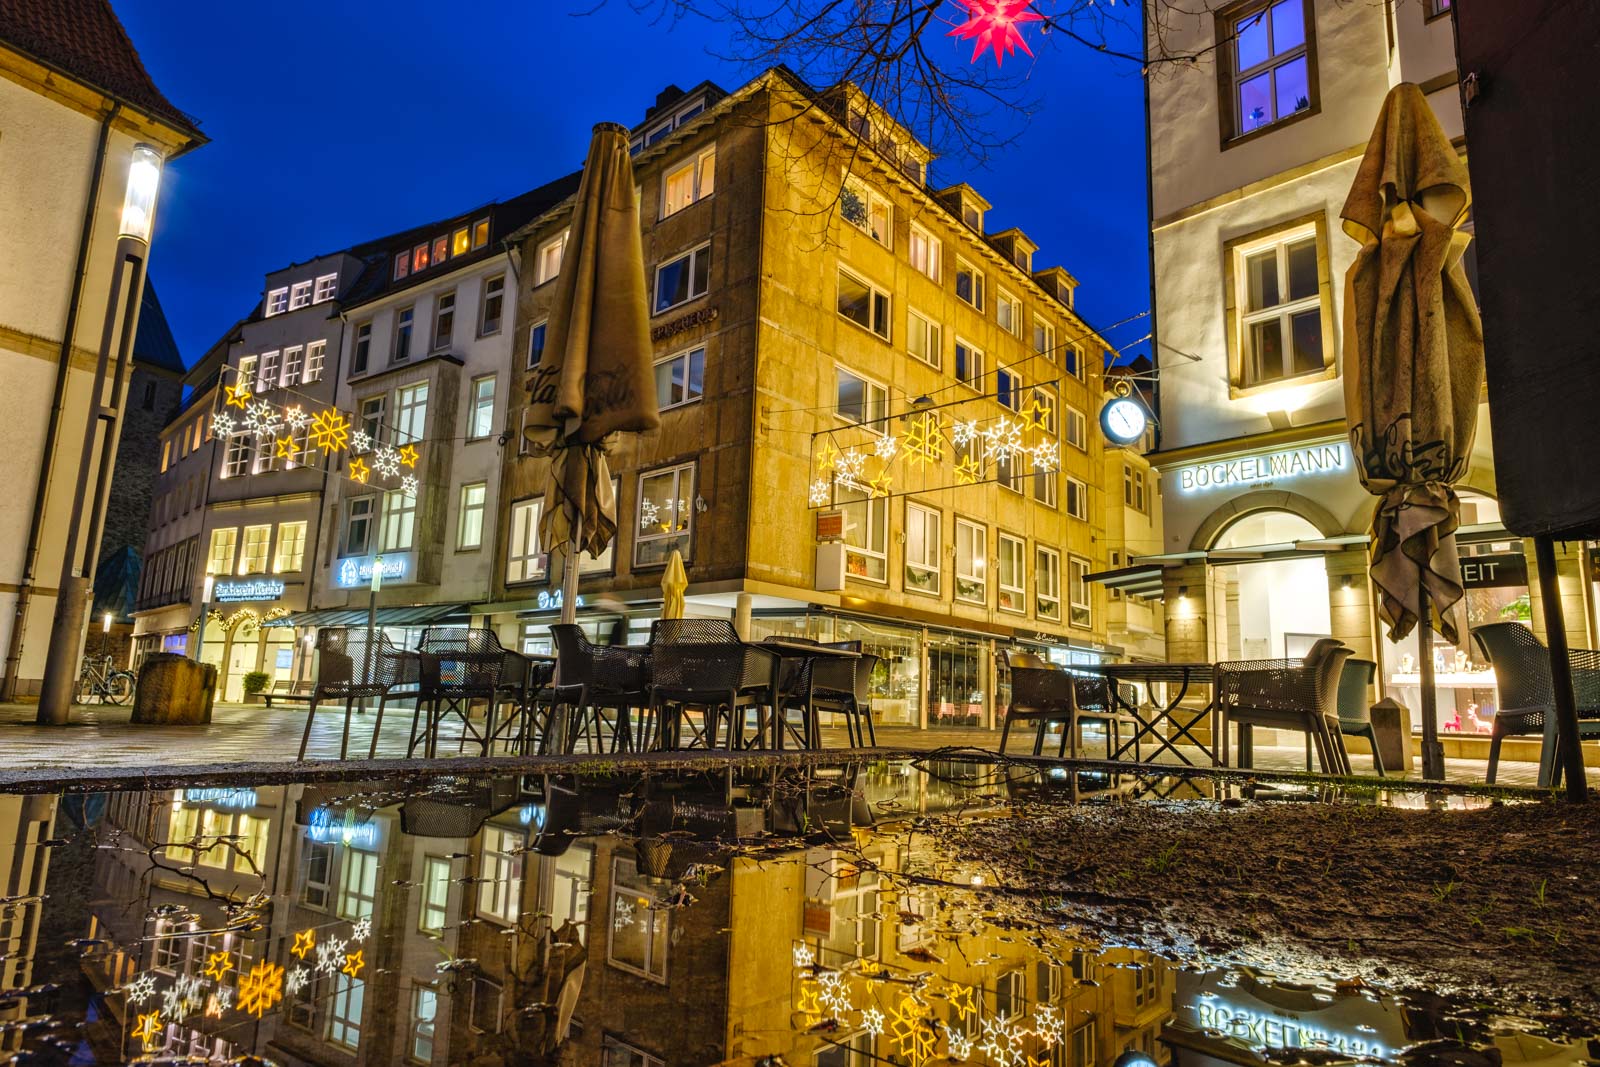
x,y
174,690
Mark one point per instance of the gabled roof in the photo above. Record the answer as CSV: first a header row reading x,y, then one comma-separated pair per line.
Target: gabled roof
x,y
154,345
84,40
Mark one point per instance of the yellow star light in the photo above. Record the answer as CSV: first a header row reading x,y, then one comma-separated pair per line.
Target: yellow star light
x,y
924,443
910,1029
218,964
1043,1061
881,484
238,395
330,431
827,457
961,1000
353,963
304,942
149,1026
408,455
809,1003
285,448
261,988
1038,410
359,470
968,471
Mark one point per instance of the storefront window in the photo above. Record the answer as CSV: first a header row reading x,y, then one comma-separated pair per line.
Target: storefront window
x,y
958,678
897,679
1272,608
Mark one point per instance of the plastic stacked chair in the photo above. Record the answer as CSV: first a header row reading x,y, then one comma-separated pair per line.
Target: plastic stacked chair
x,y
1527,692
1287,694
355,664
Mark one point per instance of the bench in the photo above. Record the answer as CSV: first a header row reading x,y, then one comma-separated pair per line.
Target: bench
x,y
286,690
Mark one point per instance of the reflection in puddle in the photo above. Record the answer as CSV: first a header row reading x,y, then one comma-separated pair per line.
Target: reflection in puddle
x,y
662,920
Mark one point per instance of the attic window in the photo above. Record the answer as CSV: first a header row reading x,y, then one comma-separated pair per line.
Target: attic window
x,y
1024,259
972,217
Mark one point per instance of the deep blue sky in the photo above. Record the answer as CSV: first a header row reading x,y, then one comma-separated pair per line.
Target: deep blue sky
x,y
334,122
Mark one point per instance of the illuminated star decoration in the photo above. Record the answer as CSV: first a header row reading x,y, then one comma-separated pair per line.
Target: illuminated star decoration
x,y
961,1000
803,956
1049,1026
330,431
218,964
819,493
993,24
222,424
386,461
304,942
924,443
808,1005
834,991
886,446
959,1044
968,471
360,442
359,470
872,1021
362,929
881,484
1002,1039
261,988
851,466
827,457
296,418
353,964
911,1031
149,1026
297,980
238,395
408,455
286,449
408,485
140,989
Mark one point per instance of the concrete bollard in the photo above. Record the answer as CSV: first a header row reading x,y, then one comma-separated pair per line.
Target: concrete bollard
x,y
174,690
1391,722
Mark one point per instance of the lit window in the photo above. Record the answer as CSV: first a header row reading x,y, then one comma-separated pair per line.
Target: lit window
x,y
469,527
693,181
315,353
424,1012
246,377
1047,582
290,556
1044,339
637,933
267,379
972,562
436,879
166,455
682,279
969,364
1008,313
1013,578
922,549
924,252
524,561
680,378
461,242
444,321
411,413
399,520
356,539
219,559
969,283
441,249
1280,307
863,208
866,533
236,460
500,875
402,265
863,304
1077,428
1270,74
482,407
277,301
924,339
404,320
344,1011
494,300
419,258
861,401
1079,594
547,261
327,287
293,359
1077,499
480,233
665,515
358,883
299,295
536,336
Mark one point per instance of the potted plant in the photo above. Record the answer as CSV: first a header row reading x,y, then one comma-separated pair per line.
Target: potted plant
x,y
255,683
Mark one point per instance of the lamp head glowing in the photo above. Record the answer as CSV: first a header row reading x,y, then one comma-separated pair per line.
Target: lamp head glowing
x,y
377,573
105,623
144,182
210,583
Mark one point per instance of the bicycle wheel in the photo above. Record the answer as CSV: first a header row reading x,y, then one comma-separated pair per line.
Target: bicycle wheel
x,y
119,687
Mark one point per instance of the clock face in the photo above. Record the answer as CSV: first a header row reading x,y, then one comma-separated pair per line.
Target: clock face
x,y
1123,420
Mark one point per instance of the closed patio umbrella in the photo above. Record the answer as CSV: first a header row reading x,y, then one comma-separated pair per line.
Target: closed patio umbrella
x,y
1413,352
596,378
673,582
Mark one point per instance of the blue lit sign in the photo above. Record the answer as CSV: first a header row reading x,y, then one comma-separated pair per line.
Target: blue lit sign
x,y
356,572
323,827
221,798
549,601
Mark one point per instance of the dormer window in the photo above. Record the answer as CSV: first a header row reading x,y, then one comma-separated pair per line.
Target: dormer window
x,y
402,265
278,301
461,242
480,233
327,287
441,249
1024,259
972,217
299,295
419,259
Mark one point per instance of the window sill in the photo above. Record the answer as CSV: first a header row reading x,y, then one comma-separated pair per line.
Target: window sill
x,y
1271,127
489,333
538,579
1238,391
1014,611
682,303
680,404
865,329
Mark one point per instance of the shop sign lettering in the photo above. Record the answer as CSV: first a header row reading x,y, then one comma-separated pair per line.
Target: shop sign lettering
x,y
252,589
1278,1031
221,798
1271,466
683,322
326,828
548,601
1500,570
355,572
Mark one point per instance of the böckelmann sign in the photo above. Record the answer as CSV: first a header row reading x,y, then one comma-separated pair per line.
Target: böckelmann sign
x,y
1264,467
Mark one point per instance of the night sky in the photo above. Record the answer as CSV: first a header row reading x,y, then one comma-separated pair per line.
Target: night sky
x,y
335,122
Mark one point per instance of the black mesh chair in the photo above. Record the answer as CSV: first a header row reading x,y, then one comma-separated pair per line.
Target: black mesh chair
x,y
701,663
1287,694
844,687
1355,714
592,679
458,667
1521,665
350,667
1041,694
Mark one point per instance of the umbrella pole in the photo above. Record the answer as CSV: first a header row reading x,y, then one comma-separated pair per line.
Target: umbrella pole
x,y
1566,704
569,571
1432,750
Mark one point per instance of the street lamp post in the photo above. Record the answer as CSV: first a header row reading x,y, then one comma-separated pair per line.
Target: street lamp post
x,y
102,424
373,588
205,609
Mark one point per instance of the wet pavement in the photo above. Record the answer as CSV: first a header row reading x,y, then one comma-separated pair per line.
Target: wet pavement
x,y
671,919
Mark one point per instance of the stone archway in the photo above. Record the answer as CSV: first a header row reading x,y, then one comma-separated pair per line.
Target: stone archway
x,y
1206,535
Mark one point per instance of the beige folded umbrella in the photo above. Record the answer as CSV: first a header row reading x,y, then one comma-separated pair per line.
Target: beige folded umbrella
x,y
1413,371
673,583
597,376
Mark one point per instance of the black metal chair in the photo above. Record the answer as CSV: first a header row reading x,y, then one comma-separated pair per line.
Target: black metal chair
x,y
458,666
1521,665
1355,713
350,667
844,687
1041,693
701,663
595,678
1287,694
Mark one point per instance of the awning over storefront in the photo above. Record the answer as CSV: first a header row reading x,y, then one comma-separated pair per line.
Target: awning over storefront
x,y
1256,553
401,616
1144,581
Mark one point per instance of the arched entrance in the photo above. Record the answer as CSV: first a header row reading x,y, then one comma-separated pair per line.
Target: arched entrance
x,y
1267,606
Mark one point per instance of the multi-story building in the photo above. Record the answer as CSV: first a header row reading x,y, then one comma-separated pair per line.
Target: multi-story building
x,y
78,103
1253,151
875,407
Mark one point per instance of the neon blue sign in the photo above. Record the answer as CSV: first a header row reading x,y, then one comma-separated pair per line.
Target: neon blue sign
x,y
355,572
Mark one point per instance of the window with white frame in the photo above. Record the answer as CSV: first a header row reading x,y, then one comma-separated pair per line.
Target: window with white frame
x,y
1077,432
969,363
371,421
1044,339
294,358
536,338
1077,499
1080,594
615,1053
1082,1042
219,558
356,538
236,460
925,339
424,1015
665,514
922,549
1072,354
399,521
1008,313
469,520
682,279
358,882
480,234
547,259
246,378
316,354
404,321
267,380
327,288
972,562
1007,387
444,321
1047,582
291,552
1011,471
1047,486
1268,67
299,295
680,378
1012,581
402,265
410,413
278,301
500,874
637,932
969,283
866,533
1133,487
492,309
689,182
860,400
925,251
344,1011
525,562
862,207
433,910
482,419
863,303
1280,307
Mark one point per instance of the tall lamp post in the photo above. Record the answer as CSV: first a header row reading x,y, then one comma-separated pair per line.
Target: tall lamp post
x,y
372,612
102,424
205,609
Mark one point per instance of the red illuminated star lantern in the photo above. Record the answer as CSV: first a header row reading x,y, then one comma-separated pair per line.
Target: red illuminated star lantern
x,y
993,24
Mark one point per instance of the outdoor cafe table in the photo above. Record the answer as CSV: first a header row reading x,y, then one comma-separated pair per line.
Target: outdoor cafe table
x,y
1177,678
537,672
793,656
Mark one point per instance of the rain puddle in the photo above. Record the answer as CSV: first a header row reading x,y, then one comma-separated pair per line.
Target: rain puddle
x,y
825,917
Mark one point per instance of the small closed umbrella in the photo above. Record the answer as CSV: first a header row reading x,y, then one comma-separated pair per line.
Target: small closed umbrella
x,y
597,376
673,583
1413,351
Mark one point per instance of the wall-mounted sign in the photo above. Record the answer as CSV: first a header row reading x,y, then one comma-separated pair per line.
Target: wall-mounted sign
x,y
683,322
247,589
1274,1030
356,572
1264,467
221,798
1499,570
552,600
830,525
345,828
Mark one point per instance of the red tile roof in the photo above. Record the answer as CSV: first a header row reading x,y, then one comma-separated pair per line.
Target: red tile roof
x,y
84,40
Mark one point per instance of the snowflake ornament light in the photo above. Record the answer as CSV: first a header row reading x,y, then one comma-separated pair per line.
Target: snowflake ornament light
x,y
803,956
297,980
386,461
408,485
886,446
958,1044
140,989
994,25
834,991
297,418
1048,1025
1002,1039
174,1005
1046,456
330,955
849,469
648,514
872,1021
362,929
819,493
222,424
330,430
261,988
1003,439
360,441
262,419
964,432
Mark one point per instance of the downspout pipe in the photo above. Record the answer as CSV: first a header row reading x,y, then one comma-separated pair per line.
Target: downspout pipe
x,y
30,557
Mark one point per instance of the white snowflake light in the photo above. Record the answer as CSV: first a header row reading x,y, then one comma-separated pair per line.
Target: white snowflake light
x,y
1046,456
296,418
297,980
263,419
959,1044
174,1006
222,424
408,485
1002,1040
1003,439
872,1021
330,956
886,446
140,989
361,930
803,956
386,461
834,991
963,433
1048,1026
819,493
360,441
224,995
648,513
851,466
622,918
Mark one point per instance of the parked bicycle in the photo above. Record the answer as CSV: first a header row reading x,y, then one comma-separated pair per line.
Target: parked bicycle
x,y
100,677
